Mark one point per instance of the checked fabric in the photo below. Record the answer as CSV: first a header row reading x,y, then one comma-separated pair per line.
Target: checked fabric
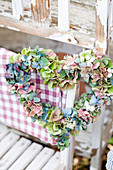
x,y
109,165
11,111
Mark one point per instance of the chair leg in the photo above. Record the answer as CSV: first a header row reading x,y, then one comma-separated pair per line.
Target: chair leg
x,y
67,155
97,143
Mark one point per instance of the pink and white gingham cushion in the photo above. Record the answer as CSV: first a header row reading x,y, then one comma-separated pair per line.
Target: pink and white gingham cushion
x,y
12,112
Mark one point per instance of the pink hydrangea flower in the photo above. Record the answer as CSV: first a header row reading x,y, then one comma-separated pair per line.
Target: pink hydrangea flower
x,y
55,115
50,53
32,88
36,109
85,115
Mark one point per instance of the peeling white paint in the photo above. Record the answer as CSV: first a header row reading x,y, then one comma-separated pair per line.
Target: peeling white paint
x,y
63,14
101,7
63,37
102,45
1,25
33,2
18,11
111,34
13,28
92,39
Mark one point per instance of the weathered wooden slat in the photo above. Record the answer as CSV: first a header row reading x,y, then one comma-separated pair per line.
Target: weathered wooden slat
x,y
107,133
85,2
67,154
8,159
103,15
24,160
7,143
40,11
45,32
84,24
54,163
97,142
3,131
111,31
63,14
41,159
17,9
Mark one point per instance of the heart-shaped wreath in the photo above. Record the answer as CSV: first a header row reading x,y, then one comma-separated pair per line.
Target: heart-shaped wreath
x,y
90,66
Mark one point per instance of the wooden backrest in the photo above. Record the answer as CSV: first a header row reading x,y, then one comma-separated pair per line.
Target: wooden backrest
x,y
42,11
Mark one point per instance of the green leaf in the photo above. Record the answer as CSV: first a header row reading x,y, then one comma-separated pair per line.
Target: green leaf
x,y
105,60
44,61
52,66
62,74
50,85
96,61
44,73
110,65
67,72
111,141
23,51
110,90
33,54
36,99
11,60
91,84
31,96
64,131
48,104
22,100
46,81
37,48
67,143
69,87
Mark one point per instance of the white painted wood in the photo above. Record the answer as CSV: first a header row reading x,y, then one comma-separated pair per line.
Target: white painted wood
x,y
25,159
111,13
17,6
63,14
67,154
7,143
54,163
97,142
7,160
103,15
85,2
111,33
70,97
41,159
3,131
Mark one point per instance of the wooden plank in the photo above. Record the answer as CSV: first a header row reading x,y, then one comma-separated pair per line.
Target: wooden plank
x,y
20,26
39,11
7,143
54,163
111,22
107,133
24,160
41,159
103,15
3,131
67,154
97,142
63,14
17,6
85,2
7,160
84,24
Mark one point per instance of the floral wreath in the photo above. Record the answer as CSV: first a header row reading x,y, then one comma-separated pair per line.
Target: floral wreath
x,y
90,66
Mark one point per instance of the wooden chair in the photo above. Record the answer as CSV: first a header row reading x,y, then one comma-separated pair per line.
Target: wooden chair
x,y
103,24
